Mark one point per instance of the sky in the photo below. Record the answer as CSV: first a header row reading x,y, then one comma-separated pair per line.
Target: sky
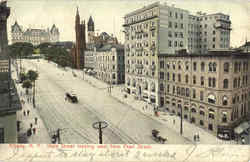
x,y
108,14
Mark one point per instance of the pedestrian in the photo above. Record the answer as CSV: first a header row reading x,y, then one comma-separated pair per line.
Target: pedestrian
x,y
28,112
34,130
36,120
24,112
31,125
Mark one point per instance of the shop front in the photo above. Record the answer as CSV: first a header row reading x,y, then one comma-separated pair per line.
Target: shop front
x,y
225,132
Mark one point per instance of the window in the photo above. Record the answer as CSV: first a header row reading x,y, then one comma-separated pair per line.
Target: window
x,y
225,83
187,67
214,67
194,79
201,95
168,76
176,15
213,39
211,98
161,87
169,34
226,67
168,87
224,100
202,66
210,127
174,77
169,43
187,92
175,43
181,16
173,89
162,64
224,117
186,78
178,91
235,83
201,122
176,25
214,82
170,24
194,93
153,87
179,77
202,81
235,67
210,66
161,75
194,66
1,135
213,32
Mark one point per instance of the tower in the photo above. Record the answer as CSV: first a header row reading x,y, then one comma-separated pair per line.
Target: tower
x,y
91,30
4,14
80,42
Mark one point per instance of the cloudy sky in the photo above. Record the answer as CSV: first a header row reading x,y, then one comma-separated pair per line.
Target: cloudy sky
x,y
108,14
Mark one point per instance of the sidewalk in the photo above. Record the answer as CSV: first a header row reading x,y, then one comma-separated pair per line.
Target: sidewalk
x,y
41,135
171,121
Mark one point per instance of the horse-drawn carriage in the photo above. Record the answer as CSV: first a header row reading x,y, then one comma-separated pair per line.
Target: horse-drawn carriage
x,y
157,138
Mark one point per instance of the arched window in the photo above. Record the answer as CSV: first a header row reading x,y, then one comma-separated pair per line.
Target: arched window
x,y
178,90
225,100
224,116
210,66
214,67
226,67
239,82
187,92
211,98
193,110
202,66
225,83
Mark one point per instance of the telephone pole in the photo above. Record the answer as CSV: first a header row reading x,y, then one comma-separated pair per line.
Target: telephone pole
x,y
100,125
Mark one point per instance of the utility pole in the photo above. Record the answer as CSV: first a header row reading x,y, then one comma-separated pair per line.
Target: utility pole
x,y
181,126
100,125
58,135
34,91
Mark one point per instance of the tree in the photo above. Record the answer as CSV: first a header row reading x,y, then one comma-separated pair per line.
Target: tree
x,y
20,49
32,75
27,84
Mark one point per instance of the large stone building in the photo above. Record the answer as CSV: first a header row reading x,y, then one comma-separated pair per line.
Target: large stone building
x,y
110,65
80,45
34,36
159,28
212,90
103,38
10,102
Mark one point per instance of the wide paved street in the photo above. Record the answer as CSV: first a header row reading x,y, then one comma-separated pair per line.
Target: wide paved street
x,y
126,125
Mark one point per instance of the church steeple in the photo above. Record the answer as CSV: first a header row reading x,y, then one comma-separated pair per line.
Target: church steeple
x,y
77,16
91,25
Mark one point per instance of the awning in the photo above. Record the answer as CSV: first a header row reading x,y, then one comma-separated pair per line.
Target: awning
x,y
243,126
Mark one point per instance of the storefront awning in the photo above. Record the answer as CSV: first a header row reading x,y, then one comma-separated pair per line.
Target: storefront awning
x,y
243,126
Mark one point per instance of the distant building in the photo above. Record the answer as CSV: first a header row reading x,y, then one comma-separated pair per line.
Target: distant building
x,y
110,63
103,38
80,45
245,47
159,28
209,90
34,36
9,99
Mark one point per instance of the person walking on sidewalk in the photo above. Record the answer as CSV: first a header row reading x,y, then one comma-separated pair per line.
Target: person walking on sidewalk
x,y
34,130
35,120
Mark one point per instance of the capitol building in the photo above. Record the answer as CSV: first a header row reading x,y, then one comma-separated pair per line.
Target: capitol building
x,y
34,36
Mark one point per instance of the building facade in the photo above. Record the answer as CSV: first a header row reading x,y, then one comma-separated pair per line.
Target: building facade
x,y
209,90
34,36
10,102
80,45
159,28
110,65
103,38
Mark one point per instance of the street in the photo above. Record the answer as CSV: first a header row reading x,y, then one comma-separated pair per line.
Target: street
x,y
126,125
